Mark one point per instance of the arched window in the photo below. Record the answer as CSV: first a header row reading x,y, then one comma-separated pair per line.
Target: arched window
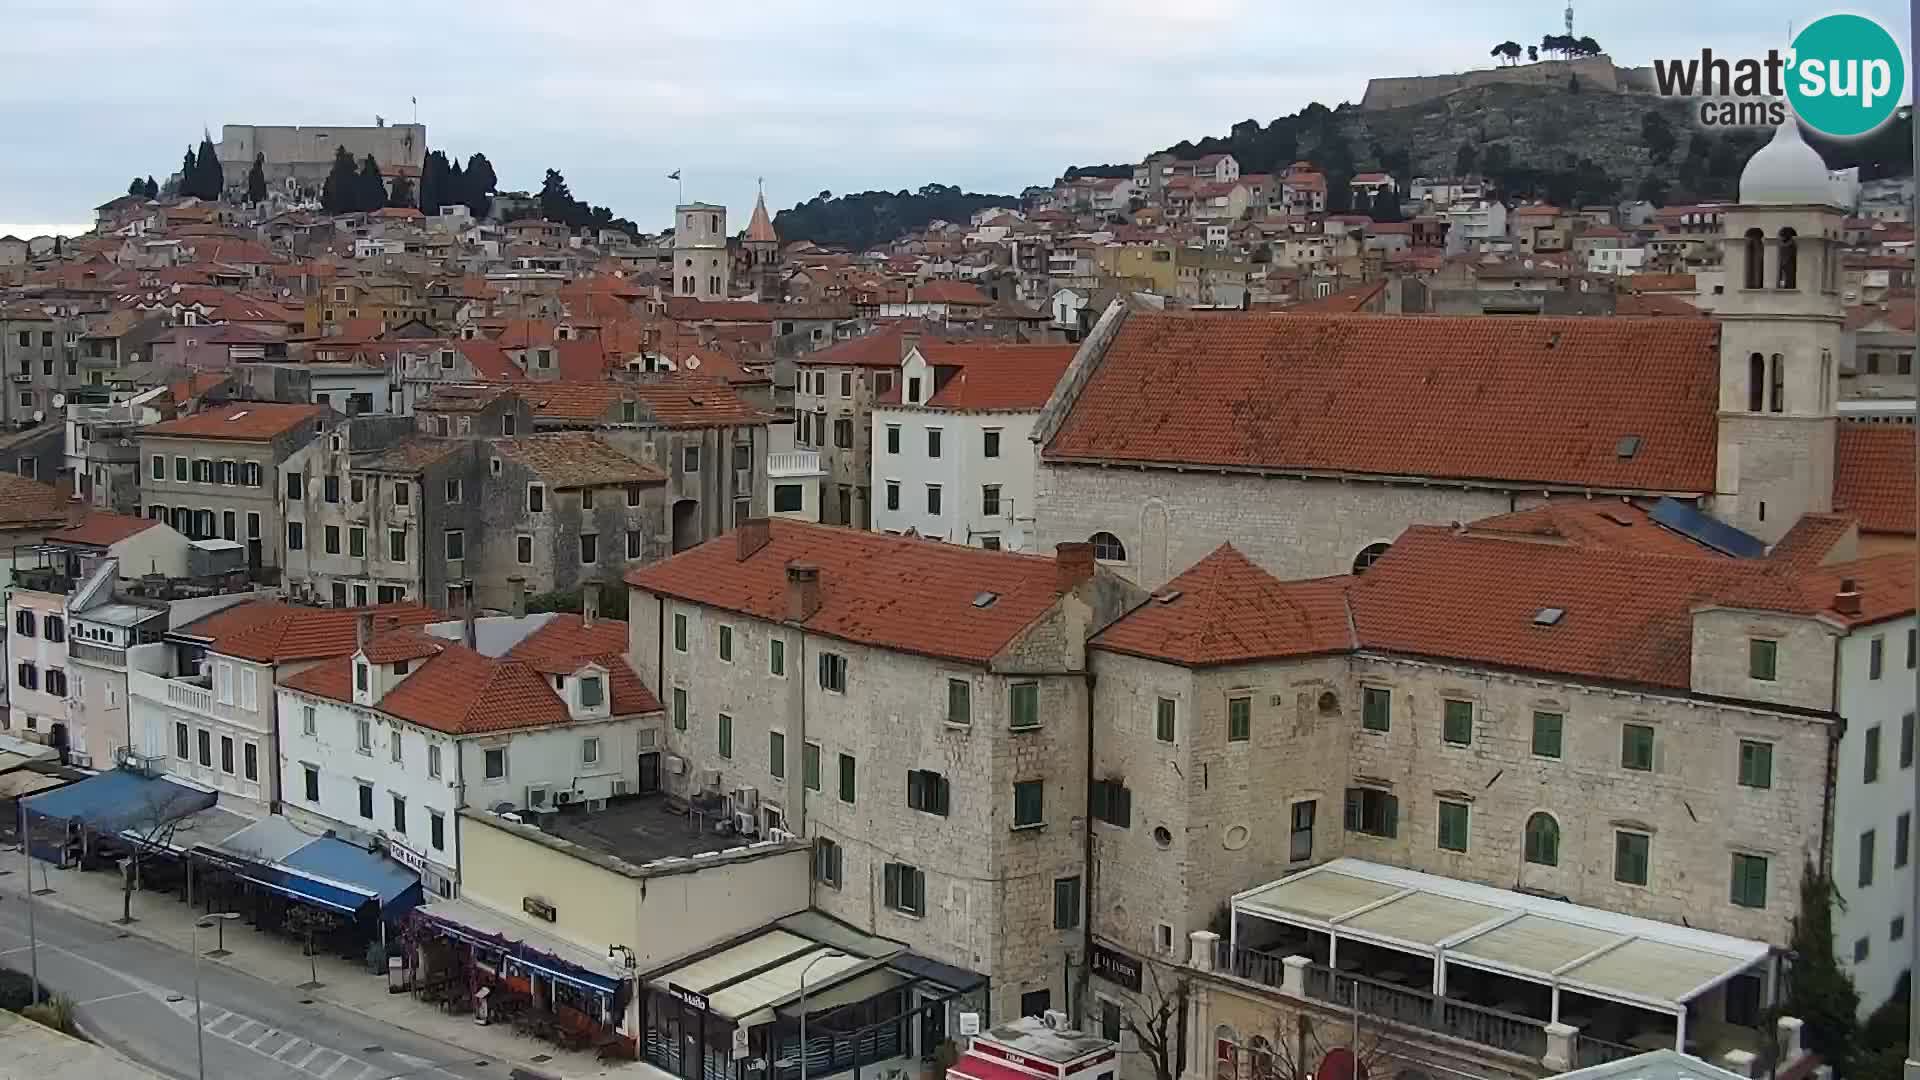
x,y
1543,840
1789,276
1226,1053
1368,556
1756,259
1777,379
1107,547
1756,383
1260,1058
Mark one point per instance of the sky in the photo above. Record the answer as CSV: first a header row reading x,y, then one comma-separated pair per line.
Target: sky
x,y
810,96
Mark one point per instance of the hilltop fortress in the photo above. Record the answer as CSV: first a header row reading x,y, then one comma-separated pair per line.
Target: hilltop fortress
x,y
1598,72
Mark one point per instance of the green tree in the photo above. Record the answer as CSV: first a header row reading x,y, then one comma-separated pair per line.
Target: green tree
x,y
433,183
1386,206
1464,159
153,189
209,180
1589,47
1820,992
187,166
370,191
1657,132
401,193
456,187
481,184
257,180
556,199
338,194
137,187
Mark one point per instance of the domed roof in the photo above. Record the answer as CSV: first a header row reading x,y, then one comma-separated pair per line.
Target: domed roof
x,y
1786,172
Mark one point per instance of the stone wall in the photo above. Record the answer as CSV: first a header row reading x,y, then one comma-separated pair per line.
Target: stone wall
x,y
1595,71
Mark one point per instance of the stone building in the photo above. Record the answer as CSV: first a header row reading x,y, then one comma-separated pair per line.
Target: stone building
x,y
1307,441
833,403
213,474
407,508
701,266
297,158
40,355
918,710
762,246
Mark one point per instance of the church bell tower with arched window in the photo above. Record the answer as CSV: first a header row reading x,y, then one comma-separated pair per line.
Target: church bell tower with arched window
x,y
1781,318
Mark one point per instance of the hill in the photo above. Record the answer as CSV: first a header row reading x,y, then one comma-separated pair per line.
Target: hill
x,y
867,218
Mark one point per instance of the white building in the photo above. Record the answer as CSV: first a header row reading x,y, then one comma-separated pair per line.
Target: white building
x,y
389,743
1616,260
1471,224
952,455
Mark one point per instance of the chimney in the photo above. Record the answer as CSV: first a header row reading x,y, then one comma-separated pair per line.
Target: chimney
x,y
803,591
468,632
752,535
909,341
1847,600
589,603
517,590
1073,564
362,630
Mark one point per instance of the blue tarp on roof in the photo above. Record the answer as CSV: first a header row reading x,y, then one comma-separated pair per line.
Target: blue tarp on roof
x,y
119,800
396,887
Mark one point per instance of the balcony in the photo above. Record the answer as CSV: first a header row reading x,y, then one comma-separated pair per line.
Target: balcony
x,y
193,693
103,655
791,463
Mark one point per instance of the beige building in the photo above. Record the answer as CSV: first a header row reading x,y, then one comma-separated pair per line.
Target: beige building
x,y
915,710
213,474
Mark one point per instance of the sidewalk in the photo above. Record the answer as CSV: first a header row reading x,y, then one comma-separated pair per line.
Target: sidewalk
x,y
163,918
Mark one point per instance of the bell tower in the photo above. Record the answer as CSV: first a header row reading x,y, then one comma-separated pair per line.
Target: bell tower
x,y
1781,320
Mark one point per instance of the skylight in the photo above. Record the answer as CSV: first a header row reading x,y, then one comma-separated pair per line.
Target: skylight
x,y
985,599
1549,616
1166,596
1628,446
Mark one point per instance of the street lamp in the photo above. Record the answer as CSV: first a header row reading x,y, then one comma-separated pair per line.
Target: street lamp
x,y
828,954
199,1029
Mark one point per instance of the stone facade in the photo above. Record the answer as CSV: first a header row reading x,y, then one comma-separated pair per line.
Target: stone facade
x,y
834,406
249,509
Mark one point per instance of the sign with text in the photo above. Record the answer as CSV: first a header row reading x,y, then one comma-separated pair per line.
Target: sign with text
x,y
1115,966
539,908
690,998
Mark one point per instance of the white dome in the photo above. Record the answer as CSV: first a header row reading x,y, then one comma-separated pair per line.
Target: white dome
x,y
1786,171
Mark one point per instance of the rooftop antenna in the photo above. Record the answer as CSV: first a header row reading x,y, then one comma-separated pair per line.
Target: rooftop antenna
x,y
1569,18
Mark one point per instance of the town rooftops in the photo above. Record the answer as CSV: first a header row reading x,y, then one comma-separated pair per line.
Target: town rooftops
x,y
1538,401
1224,609
245,421
567,640
992,376
1610,524
892,592
270,631
1874,476
879,348
676,403
410,455
575,459
28,503
102,528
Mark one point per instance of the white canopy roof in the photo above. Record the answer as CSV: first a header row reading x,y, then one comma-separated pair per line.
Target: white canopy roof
x,y
1602,953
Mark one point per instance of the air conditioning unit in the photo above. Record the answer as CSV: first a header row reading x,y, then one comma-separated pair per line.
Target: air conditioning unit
x,y
620,787
710,780
649,739
536,796
80,761
676,764
746,824
1054,1019
746,800
594,806
780,836
562,798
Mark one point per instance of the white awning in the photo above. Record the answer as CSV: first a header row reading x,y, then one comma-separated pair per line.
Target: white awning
x,y
746,981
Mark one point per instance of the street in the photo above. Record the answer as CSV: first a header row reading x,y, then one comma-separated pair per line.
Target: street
x,y
137,997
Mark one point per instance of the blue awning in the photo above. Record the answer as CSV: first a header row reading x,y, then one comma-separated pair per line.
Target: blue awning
x,y
396,887
321,870
119,800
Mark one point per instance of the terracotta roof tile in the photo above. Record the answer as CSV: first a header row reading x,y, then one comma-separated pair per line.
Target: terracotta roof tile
x,y
1811,540
1020,377
571,459
25,502
948,292
250,421
1874,476
1614,524
878,348
272,632
683,403
1226,610
412,454
566,642
102,529
1536,401
894,592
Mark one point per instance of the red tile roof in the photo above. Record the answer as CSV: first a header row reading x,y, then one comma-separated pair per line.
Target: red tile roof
x,y
574,459
566,641
948,292
1017,377
1895,315
1885,584
1608,524
878,348
25,502
1874,476
1226,610
1479,397
685,402
273,632
249,421
1811,540
102,529
1647,283
893,592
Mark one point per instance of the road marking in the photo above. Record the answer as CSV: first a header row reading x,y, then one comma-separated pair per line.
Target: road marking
x,y
342,1060
311,1054
114,997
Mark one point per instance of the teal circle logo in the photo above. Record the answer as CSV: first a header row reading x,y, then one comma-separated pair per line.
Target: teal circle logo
x,y
1847,75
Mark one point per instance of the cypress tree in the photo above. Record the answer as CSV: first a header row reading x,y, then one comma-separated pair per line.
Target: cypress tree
x,y
402,193
1821,992
337,195
480,185
153,189
371,191
209,180
257,180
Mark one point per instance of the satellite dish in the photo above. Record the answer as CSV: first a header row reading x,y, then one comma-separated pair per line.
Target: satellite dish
x,y
39,415
59,401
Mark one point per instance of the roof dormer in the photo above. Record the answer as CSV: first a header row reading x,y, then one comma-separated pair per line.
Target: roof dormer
x,y
587,692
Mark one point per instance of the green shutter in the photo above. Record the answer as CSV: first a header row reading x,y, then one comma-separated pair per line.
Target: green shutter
x,y
846,778
959,701
1749,887
1239,719
1756,764
679,632
777,657
726,736
810,766
1456,725
1164,712
1026,705
1453,826
1376,709
679,709
1546,734
777,755
1636,747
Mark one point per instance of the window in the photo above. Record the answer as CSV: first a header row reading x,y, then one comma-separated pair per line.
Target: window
x,y
160,468
1239,718
1906,741
1789,259
332,542
726,644
1870,766
53,628
810,766
933,498
843,433
250,762
906,889
396,545
1902,836
56,681
679,708
1456,724
1546,733
1113,803
357,542
523,549
1029,801
330,487
1035,1002
1024,705
1376,708
826,862
1913,638
1876,656
990,500
1749,881
400,815
364,726
990,443
586,498
777,755
1631,852
457,544
679,631
848,770
933,442
893,438
690,459
1636,747
494,763
204,740
433,760
1107,547
181,749
777,658
788,498
724,732
1066,903
927,792
23,623
536,499
366,800
1756,764
1762,659
989,543
1453,826
312,777
589,549
453,489
1300,837
1543,840
913,391
436,831
296,536
833,672
1373,812
1866,859
959,701
893,494
1860,949
357,488
306,720
402,492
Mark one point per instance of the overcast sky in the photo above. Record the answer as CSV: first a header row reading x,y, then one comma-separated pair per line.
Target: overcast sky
x,y
841,96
